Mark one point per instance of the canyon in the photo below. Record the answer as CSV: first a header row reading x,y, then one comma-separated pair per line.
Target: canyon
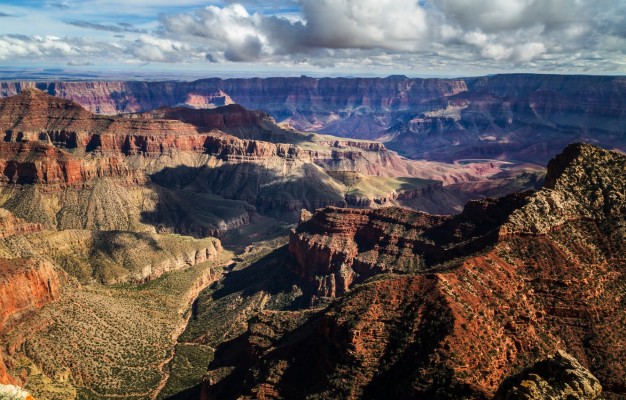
x,y
153,225
521,117
98,210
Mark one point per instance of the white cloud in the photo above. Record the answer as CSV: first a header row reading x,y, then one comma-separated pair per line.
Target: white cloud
x,y
151,49
566,35
365,24
38,47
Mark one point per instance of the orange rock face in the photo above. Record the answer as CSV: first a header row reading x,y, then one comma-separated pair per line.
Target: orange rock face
x,y
340,247
25,285
11,225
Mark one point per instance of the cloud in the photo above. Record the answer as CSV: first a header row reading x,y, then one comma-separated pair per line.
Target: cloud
x,y
325,24
364,24
38,47
426,35
237,35
515,32
152,49
60,6
79,63
3,14
120,27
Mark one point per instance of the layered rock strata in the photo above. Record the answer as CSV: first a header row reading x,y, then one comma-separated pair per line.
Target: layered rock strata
x,y
516,279
25,285
516,116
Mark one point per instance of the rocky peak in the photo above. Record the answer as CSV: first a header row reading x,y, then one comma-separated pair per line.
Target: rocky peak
x,y
583,182
558,377
31,92
572,155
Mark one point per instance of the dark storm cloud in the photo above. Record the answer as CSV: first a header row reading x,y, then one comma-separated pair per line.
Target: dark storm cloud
x,y
250,49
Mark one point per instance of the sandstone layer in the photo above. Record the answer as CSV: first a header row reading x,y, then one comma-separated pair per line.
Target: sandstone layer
x,y
26,284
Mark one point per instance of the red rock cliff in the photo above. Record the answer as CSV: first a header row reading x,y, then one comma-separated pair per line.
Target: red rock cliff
x,y
26,284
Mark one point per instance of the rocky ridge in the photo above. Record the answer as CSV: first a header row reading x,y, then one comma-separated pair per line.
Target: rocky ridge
x,y
493,300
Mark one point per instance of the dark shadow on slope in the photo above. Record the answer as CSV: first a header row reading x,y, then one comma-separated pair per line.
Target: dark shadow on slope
x,y
401,373
238,295
278,196
270,275
195,214
192,393
475,229
238,355
320,364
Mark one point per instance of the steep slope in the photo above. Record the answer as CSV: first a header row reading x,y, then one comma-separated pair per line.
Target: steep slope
x,y
502,286
26,285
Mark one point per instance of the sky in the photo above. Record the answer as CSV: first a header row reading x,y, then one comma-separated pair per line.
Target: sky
x,y
323,37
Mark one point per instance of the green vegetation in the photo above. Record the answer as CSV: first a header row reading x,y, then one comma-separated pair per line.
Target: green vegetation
x,y
381,186
112,256
187,368
110,341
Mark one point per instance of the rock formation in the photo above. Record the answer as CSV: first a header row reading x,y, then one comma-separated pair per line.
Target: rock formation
x,y
26,284
229,152
516,117
10,225
498,288
558,377
337,247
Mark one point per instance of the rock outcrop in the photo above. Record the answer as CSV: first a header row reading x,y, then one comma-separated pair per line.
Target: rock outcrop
x,y
490,302
25,285
5,378
11,225
338,248
558,377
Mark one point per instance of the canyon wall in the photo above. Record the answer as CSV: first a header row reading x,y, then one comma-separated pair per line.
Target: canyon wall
x,y
517,117
142,160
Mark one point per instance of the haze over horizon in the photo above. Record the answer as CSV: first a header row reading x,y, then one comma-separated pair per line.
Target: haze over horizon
x,y
316,37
